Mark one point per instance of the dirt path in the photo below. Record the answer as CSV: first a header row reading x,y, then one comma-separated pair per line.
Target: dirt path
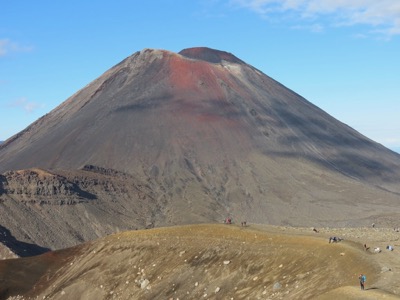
x,y
388,261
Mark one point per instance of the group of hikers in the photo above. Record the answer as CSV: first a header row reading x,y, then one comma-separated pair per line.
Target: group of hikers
x,y
229,221
362,278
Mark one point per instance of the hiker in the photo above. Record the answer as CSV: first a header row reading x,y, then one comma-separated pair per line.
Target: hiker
x,y
334,239
362,279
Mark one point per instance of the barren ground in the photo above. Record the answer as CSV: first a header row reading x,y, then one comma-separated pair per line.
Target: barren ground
x,y
212,262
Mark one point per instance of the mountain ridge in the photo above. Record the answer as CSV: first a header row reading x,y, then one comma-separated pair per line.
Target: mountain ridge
x,y
192,138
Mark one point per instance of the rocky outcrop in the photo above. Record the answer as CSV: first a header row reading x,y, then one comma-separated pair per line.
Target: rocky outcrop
x,y
101,170
37,185
65,207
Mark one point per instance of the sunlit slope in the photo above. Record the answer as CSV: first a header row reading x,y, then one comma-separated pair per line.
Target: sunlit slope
x,y
164,139
195,262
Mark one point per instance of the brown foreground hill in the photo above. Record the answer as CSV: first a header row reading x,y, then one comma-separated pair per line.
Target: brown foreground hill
x,y
166,138
210,262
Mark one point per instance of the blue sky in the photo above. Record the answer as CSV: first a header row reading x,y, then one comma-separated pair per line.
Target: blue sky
x,y
343,56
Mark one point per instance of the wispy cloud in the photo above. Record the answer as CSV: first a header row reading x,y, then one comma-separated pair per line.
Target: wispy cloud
x,y
26,105
7,46
383,15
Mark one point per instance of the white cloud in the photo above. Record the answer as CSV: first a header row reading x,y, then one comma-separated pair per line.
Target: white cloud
x,y
7,46
382,15
28,106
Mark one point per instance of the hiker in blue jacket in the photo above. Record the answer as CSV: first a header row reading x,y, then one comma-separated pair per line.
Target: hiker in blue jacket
x,y
362,279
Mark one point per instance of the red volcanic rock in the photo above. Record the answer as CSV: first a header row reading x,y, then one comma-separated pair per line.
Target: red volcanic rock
x,y
193,137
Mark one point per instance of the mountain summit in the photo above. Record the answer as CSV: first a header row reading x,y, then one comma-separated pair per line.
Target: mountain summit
x,y
165,138
210,55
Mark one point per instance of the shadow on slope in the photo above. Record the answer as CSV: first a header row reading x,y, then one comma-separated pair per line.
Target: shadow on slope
x,y
22,249
317,137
